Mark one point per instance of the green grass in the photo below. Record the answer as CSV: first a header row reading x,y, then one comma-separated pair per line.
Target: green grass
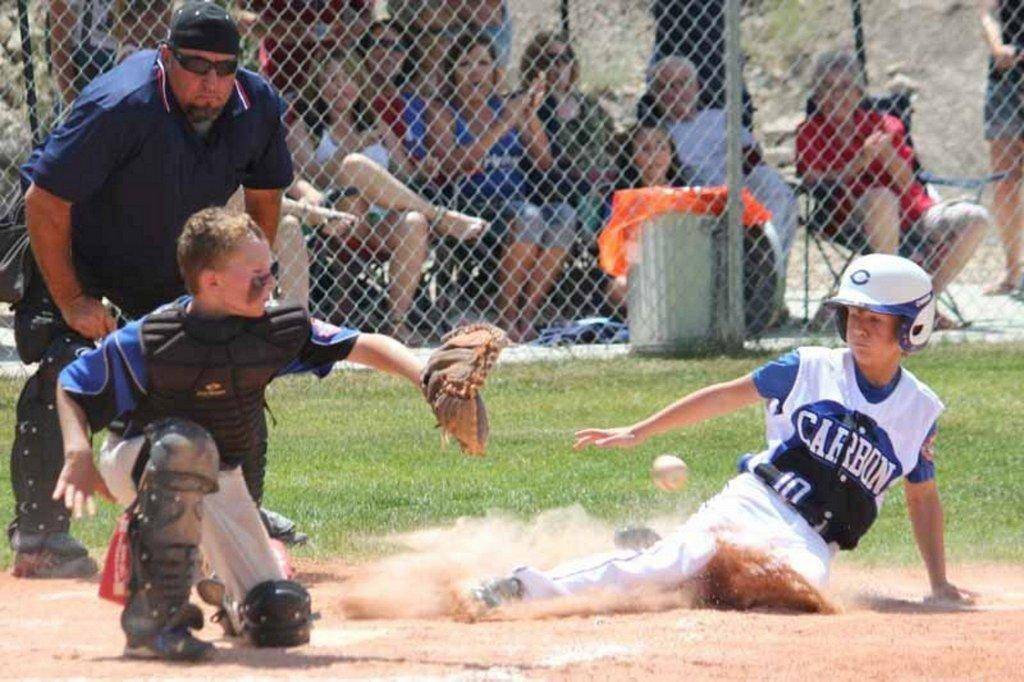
x,y
355,456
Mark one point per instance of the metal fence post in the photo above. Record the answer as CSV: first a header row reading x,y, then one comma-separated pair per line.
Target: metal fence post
x,y
732,330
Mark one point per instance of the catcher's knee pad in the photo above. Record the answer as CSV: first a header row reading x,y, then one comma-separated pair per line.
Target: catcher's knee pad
x,y
166,525
37,454
277,613
182,456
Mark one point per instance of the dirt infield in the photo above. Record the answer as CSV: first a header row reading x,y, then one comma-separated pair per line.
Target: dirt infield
x,y
61,629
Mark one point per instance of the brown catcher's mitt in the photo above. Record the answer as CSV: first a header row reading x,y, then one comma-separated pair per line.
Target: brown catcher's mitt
x,y
452,380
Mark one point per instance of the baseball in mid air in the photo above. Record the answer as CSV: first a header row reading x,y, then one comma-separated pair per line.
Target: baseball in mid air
x,y
668,472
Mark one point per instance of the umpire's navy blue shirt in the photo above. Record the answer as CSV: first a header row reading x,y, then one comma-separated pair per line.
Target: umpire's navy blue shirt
x,y
134,170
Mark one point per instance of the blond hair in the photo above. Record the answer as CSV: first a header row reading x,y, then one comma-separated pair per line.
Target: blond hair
x,y
209,236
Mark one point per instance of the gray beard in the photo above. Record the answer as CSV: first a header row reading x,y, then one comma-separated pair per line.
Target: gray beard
x,y
201,118
202,127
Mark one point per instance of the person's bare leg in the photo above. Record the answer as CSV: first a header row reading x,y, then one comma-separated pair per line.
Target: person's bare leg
x,y
408,241
292,262
970,222
1007,156
880,213
379,187
516,263
540,281
616,290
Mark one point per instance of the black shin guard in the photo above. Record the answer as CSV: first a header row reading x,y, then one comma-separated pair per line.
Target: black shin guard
x,y
164,534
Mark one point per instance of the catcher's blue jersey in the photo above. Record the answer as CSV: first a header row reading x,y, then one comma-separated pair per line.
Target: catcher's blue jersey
x,y
109,380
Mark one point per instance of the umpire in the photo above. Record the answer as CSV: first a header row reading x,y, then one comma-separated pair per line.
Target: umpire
x,y
168,132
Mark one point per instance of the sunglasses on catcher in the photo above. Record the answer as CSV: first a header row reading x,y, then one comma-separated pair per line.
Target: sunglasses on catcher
x,y
202,66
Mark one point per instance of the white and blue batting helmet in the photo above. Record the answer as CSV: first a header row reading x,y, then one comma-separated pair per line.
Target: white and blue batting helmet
x,y
892,285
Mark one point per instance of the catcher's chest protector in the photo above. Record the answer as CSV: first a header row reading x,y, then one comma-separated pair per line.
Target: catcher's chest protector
x,y
215,372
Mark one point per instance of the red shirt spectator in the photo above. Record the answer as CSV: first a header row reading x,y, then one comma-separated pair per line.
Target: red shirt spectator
x,y
390,110
821,147
301,32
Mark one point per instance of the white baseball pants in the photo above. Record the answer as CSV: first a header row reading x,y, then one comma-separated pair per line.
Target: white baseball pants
x,y
746,513
234,540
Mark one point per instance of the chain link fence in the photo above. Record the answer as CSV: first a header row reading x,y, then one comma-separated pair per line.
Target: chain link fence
x,y
477,148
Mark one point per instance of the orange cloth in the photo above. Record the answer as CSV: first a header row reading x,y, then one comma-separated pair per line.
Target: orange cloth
x,y
632,207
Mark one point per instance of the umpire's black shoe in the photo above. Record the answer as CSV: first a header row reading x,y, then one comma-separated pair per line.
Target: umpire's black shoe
x,y
50,555
280,527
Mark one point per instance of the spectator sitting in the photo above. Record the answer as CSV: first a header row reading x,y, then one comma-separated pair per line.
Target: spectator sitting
x,y
860,165
298,34
140,24
484,141
422,83
645,159
88,37
432,15
578,128
82,44
350,156
699,137
695,29
492,19
381,52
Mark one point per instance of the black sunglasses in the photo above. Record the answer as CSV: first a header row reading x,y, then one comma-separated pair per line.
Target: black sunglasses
x,y
201,66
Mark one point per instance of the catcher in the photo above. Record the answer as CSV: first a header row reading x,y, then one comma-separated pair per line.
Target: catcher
x,y
189,380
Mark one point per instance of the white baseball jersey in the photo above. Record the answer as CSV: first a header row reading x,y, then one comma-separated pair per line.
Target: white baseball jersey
x,y
872,443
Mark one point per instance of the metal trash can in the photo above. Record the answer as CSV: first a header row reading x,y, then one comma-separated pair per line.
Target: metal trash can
x,y
671,285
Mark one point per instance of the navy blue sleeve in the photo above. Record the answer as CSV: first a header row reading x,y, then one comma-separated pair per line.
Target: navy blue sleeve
x,y
775,379
924,470
78,157
327,345
108,381
272,169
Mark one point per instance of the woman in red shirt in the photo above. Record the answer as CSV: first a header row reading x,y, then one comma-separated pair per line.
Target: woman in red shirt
x,y
862,170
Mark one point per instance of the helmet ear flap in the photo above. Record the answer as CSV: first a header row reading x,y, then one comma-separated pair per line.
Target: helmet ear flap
x,y
914,334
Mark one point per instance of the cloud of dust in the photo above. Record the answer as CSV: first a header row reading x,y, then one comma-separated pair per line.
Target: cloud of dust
x,y
433,576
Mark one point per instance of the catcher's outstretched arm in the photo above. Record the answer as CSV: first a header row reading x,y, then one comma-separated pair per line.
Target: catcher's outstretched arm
x,y
387,355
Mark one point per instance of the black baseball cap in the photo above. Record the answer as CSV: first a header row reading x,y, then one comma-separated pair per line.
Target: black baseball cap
x,y
204,26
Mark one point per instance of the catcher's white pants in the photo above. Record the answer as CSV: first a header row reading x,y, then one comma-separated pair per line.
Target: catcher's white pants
x,y
746,513
234,540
